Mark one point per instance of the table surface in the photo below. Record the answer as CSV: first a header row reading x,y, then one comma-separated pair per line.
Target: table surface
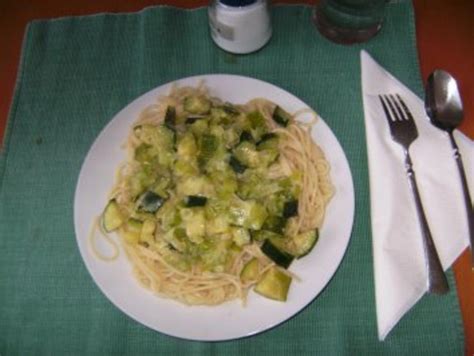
x,y
445,39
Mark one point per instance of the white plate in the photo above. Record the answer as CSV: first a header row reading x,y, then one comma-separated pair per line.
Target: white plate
x,y
230,320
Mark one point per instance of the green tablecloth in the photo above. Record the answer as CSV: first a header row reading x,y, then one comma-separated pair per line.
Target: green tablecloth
x,y
75,74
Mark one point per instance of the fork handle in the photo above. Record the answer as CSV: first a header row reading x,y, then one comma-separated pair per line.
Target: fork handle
x,y
465,189
437,282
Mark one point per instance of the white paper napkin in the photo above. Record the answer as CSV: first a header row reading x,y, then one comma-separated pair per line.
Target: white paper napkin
x,y
399,264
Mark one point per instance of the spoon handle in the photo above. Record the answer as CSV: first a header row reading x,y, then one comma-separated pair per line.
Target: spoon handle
x,y
467,199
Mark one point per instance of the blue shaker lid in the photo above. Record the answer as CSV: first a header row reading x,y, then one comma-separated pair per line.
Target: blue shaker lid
x,y
237,3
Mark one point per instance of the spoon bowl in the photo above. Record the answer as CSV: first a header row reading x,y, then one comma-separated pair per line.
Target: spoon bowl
x,y
443,101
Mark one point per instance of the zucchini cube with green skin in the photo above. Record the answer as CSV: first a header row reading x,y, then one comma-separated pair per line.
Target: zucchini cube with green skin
x,y
147,232
250,271
262,235
197,104
247,154
199,127
176,238
161,138
132,231
290,208
194,221
150,202
247,213
112,217
281,117
187,147
241,236
236,165
145,153
275,224
195,185
208,145
194,200
258,124
303,243
274,249
274,285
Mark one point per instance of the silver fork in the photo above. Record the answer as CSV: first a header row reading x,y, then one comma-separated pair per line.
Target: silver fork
x,y
404,132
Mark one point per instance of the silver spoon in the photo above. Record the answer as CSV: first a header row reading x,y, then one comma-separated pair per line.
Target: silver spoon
x,y
444,107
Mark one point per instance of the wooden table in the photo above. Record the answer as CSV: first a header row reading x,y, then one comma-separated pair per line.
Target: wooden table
x,y
445,35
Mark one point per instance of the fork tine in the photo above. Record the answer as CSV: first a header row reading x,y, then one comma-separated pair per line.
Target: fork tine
x,y
385,108
395,116
405,108
397,106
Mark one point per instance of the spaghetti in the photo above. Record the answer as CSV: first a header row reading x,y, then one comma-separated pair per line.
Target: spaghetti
x,y
194,208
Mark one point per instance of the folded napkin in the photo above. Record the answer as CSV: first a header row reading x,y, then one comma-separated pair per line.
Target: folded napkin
x,y
399,263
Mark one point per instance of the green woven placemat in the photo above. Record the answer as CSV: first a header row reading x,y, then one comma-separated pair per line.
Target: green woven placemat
x,y
75,74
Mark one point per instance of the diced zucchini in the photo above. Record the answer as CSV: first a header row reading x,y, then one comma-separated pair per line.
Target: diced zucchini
x,y
268,142
220,116
112,218
236,165
176,238
225,182
195,200
132,232
150,202
262,235
187,147
148,231
183,168
208,145
231,137
145,153
195,222
267,157
240,236
250,271
276,254
141,180
247,213
197,104
161,185
246,136
247,154
302,244
290,209
170,118
254,185
199,127
158,136
281,117
195,185
274,285
161,138
258,124
275,224
215,257
169,215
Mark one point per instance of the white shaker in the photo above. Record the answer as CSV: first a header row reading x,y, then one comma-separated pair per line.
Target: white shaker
x,y
240,26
